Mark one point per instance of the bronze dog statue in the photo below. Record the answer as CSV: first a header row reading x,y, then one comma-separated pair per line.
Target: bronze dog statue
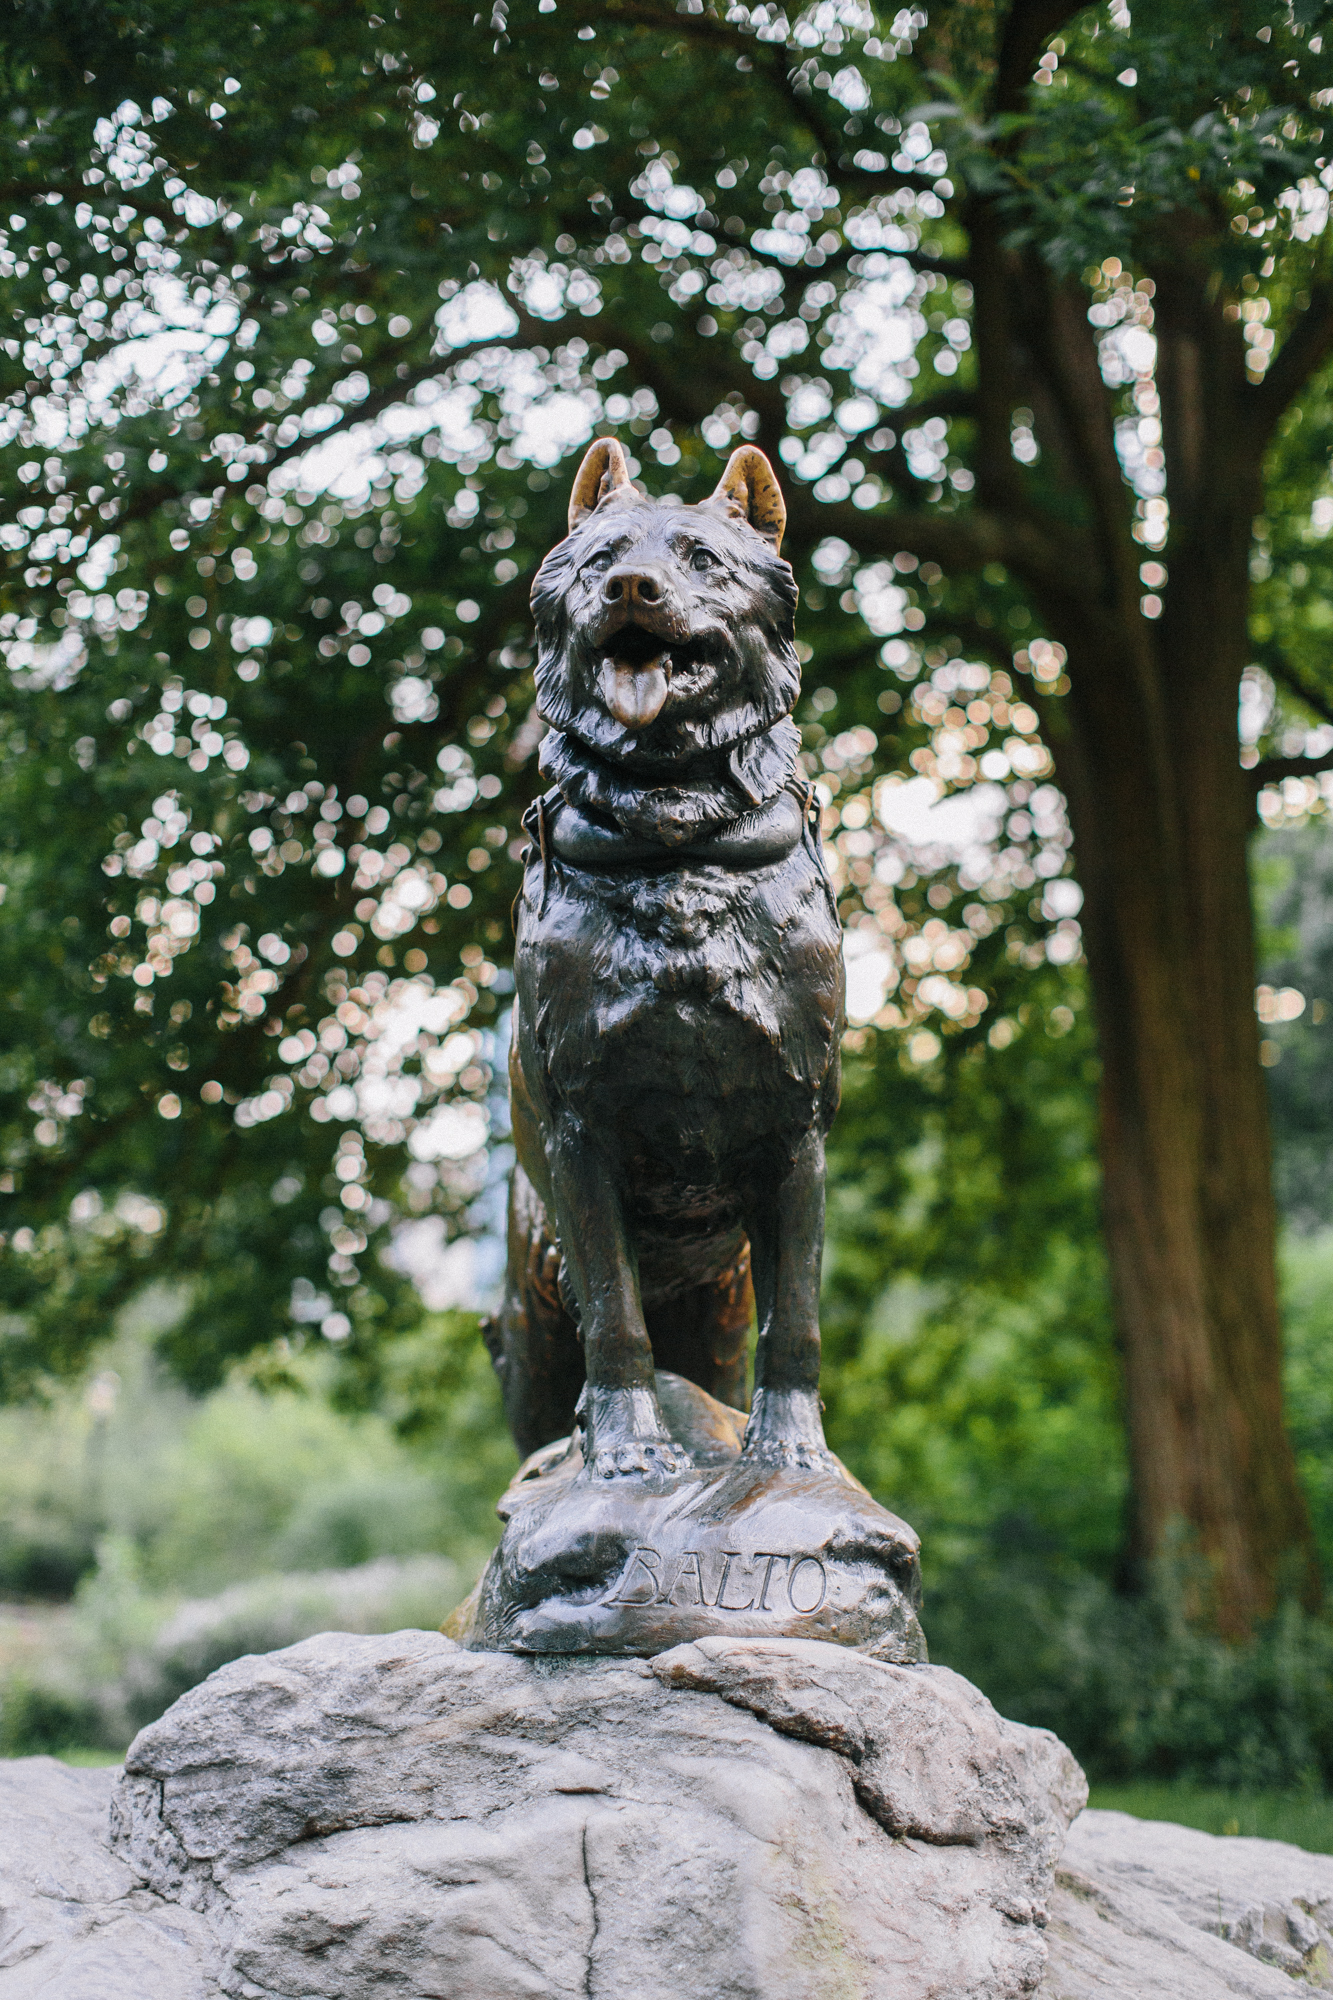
x,y
679,976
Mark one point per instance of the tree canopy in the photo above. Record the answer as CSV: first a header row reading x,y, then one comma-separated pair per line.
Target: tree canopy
x,y
307,305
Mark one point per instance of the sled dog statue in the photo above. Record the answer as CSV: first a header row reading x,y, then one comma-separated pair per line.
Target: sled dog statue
x,y
674,1074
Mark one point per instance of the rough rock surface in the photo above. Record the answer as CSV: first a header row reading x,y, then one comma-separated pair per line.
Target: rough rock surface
x,y
76,1923
396,1816
1160,1912
736,1818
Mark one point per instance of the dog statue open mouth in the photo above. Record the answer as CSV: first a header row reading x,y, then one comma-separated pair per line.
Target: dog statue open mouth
x,y
680,987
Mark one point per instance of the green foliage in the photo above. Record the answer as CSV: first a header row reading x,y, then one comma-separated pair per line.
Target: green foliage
x,y
264,1615
1135,1686
973,1388
441,251
1308,1291
1205,116
203,1494
191,1531
267,735
1295,879
992,1424
972,1383
43,1557
40,1721
124,1653
970,1371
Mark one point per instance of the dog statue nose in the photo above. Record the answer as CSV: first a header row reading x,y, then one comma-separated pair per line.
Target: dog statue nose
x,y
629,586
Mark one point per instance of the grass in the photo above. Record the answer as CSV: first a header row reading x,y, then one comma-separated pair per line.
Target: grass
x,y
1302,1820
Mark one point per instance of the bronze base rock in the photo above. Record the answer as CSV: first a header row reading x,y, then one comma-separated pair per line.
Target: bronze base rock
x,y
731,1548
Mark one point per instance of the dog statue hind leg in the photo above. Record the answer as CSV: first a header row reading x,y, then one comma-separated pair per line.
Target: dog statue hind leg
x,y
533,1339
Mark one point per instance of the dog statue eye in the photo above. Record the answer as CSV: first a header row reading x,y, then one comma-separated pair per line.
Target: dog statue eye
x,y
703,559
602,560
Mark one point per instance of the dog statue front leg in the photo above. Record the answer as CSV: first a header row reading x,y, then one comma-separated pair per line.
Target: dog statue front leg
x,y
624,1430
786,1226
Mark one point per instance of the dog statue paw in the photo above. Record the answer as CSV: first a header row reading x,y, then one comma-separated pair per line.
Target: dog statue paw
x,y
734,1546
644,1459
792,1452
625,1437
786,1428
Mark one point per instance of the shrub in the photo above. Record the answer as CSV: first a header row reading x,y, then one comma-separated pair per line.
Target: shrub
x,y
36,1720
124,1655
1134,1687
43,1555
276,1611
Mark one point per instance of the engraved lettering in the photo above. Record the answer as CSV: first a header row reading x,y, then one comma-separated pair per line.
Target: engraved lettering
x,y
764,1556
689,1573
806,1562
650,1562
718,1602
649,1578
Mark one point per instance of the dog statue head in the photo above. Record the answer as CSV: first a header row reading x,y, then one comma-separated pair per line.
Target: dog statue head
x,y
666,631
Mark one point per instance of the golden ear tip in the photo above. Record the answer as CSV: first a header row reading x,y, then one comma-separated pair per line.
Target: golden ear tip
x,y
603,471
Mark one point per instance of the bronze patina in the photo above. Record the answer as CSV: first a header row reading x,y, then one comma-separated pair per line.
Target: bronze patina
x,y
675,1070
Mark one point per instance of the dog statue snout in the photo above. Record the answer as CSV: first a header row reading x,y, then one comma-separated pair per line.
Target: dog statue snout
x,y
639,594
630,586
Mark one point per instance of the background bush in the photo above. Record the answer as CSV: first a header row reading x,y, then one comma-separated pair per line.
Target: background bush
x,y
185,1532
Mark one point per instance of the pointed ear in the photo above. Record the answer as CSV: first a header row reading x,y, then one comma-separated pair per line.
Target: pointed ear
x,y
749,491
603,470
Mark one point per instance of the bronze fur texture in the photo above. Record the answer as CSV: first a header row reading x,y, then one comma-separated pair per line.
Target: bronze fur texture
x,y
679,984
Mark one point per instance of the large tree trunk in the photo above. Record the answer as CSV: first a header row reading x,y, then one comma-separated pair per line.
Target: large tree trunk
x,y
1147,754
1190,1225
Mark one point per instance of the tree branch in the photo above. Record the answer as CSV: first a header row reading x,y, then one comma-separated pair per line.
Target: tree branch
x,y
1289,677
115,195
1027,32
694,396
363,412
998,478
986,641
1046,554
708,28
148,499
1304,350
1272,770
957,542
945,267
944,403
1059,335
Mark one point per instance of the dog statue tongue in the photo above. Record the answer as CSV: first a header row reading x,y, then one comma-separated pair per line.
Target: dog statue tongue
x,y
635,695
